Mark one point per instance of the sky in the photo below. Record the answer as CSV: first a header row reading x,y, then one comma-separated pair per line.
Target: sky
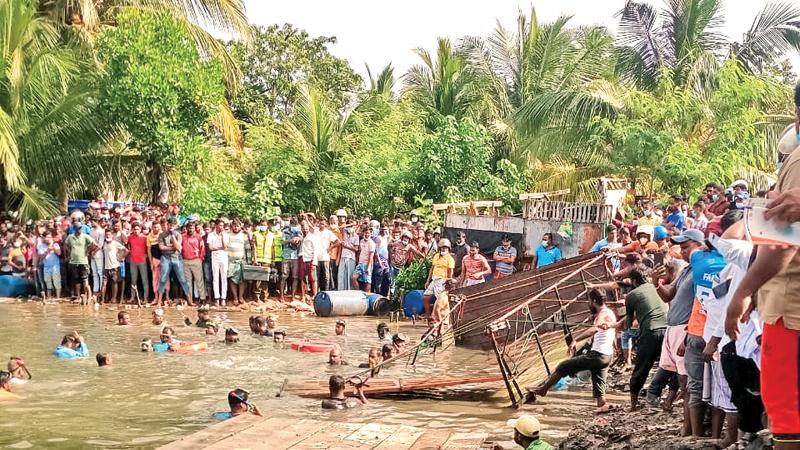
x,y
378,32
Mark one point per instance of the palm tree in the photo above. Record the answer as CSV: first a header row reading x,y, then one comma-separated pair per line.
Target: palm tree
x,y
548,83
445,86
684,39
48,132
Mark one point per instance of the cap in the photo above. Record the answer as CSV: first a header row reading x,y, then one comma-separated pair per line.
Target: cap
x,y
689,235
645,229
444,243
399,337
341,322
660,233
526,425
739,183
788,141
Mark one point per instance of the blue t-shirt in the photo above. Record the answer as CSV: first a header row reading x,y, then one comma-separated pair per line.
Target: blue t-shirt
x,y
84,228
545,257
706,266
677,219
68,353
504,267
51,262
289,250
599,245
222,415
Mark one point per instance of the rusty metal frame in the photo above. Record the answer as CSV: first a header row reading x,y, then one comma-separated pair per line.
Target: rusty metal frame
x,y
530,328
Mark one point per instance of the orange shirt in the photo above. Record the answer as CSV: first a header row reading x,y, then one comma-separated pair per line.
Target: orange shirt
x,y
697,321
336,249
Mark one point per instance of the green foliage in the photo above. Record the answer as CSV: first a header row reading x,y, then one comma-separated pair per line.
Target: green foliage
x,y
453,165
157,85
277,62
413,277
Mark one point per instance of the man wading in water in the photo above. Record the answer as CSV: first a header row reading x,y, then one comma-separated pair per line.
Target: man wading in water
x,y
596,360
338,400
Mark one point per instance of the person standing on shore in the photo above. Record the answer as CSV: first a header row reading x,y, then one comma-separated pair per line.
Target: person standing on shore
x,y
218,242
79,248
137,245
194,252
347,257
504,256
169,242
237,243
474,266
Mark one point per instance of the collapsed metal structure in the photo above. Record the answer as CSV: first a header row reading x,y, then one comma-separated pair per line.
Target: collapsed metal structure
x,y
526,315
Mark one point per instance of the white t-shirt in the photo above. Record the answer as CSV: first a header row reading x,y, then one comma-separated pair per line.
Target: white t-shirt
x,y
111,254
308,249
325,238
217,240
603,341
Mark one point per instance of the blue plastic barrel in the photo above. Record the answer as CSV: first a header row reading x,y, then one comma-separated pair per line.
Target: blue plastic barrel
x,y
413,304
11,286
341,303
378,304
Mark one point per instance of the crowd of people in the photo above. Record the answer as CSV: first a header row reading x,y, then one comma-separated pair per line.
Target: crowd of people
x,y
152,255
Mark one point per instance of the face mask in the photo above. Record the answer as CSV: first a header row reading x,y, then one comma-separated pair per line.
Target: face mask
x,y
295,229
375,231
414,219
545,243
17,244
443,251
108,239
648,213
275,228
405,241
739,205
692,214
262,228
780,165
797,138
644,240
714,197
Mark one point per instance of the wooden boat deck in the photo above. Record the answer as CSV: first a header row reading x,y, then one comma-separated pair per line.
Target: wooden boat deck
x,y
384,386
283,433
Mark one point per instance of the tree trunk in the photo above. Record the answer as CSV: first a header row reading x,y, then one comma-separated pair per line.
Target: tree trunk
x,y
160,184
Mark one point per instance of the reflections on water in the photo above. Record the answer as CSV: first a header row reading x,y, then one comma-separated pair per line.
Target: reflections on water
x,y
146,399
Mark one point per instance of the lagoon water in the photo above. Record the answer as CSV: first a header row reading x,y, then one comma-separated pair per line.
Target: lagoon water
x,y
146,400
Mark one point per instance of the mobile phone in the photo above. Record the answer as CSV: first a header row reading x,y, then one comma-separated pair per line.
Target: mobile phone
x,y
658,258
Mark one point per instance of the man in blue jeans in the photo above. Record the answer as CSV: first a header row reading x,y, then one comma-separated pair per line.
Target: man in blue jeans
x,y
169,242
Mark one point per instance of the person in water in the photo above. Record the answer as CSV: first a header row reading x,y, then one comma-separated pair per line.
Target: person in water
x,y
212,329
72,346
158,316
239,404
373,361
526,433
103,359
203,316
387,352
167,340
123,318
5,387
340,328
383,332
398,343
146,345
231,335
272,324
335,357
338,400
279,336
19,372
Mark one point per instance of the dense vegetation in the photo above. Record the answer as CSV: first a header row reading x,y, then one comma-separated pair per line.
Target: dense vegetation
x,y
136,99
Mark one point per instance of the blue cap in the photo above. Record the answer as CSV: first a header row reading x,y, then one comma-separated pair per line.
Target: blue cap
x,y
690,235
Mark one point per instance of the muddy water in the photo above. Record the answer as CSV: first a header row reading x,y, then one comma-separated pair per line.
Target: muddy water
x,y
145,400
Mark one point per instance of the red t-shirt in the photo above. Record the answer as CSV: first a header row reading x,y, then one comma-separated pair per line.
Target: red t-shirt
x,y
138,247
193,247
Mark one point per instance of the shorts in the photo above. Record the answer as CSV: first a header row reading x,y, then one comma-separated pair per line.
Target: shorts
x,y
499,275
364,273
627,337
435,287
78,272
780,380
716,391
670,360
290,269
307,271
111,274
52,280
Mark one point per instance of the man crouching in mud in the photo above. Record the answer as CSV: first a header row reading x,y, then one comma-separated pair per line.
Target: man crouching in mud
x,y
596,360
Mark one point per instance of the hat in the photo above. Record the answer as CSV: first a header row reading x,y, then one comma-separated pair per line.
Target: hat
x,y
399,337
788,141
689,235
739,183
526,425
444,243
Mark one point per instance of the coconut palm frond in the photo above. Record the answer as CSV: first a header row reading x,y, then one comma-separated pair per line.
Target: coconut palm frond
x,y
775,31
225,123
34,204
